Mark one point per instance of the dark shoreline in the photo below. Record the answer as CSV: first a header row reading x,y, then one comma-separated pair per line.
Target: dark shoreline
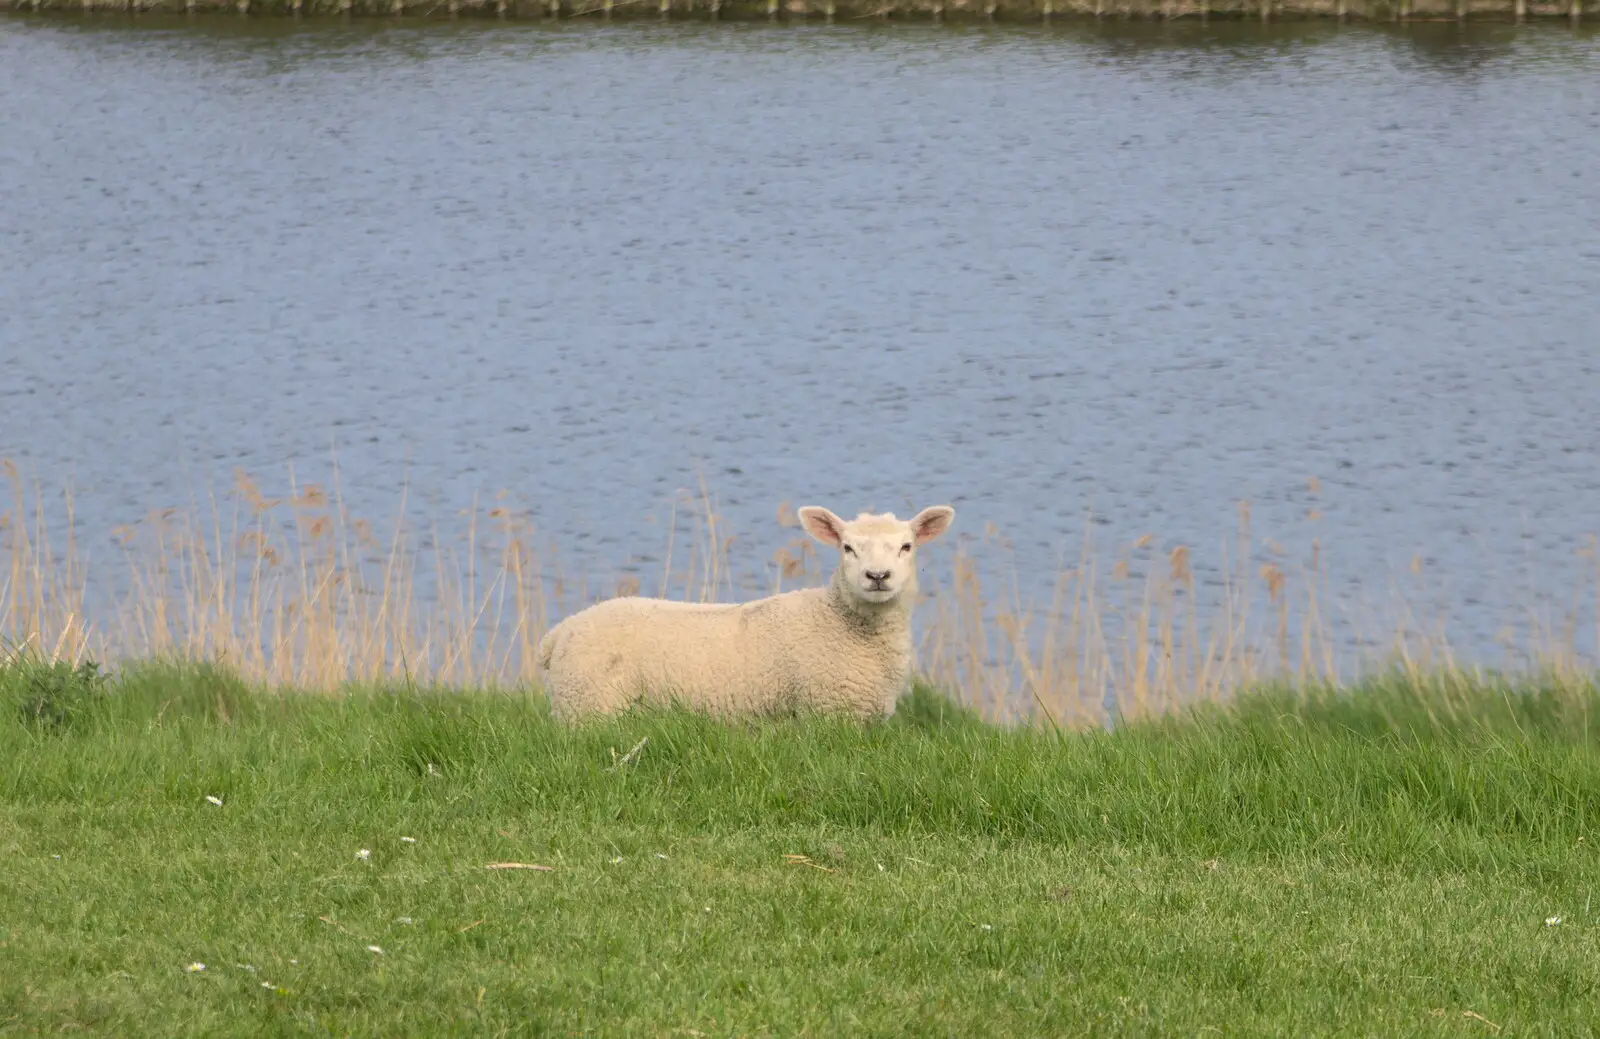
x,y
823,11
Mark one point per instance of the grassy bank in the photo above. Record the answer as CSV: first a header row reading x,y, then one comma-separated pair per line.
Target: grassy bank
x,y
1385,860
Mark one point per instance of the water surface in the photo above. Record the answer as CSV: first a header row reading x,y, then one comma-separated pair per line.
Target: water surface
x,y
1144,270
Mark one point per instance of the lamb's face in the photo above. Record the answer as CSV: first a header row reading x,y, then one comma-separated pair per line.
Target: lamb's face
x,y
877,554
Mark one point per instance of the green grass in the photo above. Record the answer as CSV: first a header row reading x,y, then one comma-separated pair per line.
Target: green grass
x,y
1380,861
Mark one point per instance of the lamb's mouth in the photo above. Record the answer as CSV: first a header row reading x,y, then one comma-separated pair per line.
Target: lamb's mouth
x,y
877,589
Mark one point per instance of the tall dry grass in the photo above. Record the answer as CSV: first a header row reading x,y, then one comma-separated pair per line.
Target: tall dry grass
x,y
293,591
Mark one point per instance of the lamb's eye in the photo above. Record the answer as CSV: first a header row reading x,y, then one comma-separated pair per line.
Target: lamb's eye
x,y
906,547
849,551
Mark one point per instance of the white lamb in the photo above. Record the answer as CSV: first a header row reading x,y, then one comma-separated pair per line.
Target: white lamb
x,y
845,647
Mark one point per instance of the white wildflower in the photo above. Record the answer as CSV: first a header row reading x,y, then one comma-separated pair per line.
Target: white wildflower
x,y
1551,921
613,861
403,920
214,799
659,855
409,840
364,854
375,950
195,967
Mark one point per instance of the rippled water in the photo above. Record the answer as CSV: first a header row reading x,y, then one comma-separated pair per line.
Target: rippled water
x,y
1146,270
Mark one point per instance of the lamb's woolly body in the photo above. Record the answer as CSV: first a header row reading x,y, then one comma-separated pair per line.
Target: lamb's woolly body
x,y
813,649
843,648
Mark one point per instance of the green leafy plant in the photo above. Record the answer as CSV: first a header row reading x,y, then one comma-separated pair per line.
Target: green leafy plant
x,y
51,693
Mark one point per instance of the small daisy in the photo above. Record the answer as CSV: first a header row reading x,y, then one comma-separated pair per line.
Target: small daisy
x,y
195,968
409,840
214,799
364,854
375,950
1551,921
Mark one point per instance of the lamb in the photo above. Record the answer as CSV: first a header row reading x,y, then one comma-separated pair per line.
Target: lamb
x,y
842,648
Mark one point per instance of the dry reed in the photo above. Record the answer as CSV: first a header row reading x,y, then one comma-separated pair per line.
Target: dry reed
x,y
295,592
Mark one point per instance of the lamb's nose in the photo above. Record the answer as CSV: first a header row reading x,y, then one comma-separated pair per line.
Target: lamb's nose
x,y
878,576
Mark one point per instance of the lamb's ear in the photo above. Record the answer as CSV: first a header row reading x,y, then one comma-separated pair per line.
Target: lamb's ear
x,y
822,524
931,522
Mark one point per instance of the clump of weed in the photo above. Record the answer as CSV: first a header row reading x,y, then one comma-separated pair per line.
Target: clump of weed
x,y
52,693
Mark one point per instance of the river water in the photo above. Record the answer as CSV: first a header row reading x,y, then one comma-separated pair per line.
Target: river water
x,y
1140,270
